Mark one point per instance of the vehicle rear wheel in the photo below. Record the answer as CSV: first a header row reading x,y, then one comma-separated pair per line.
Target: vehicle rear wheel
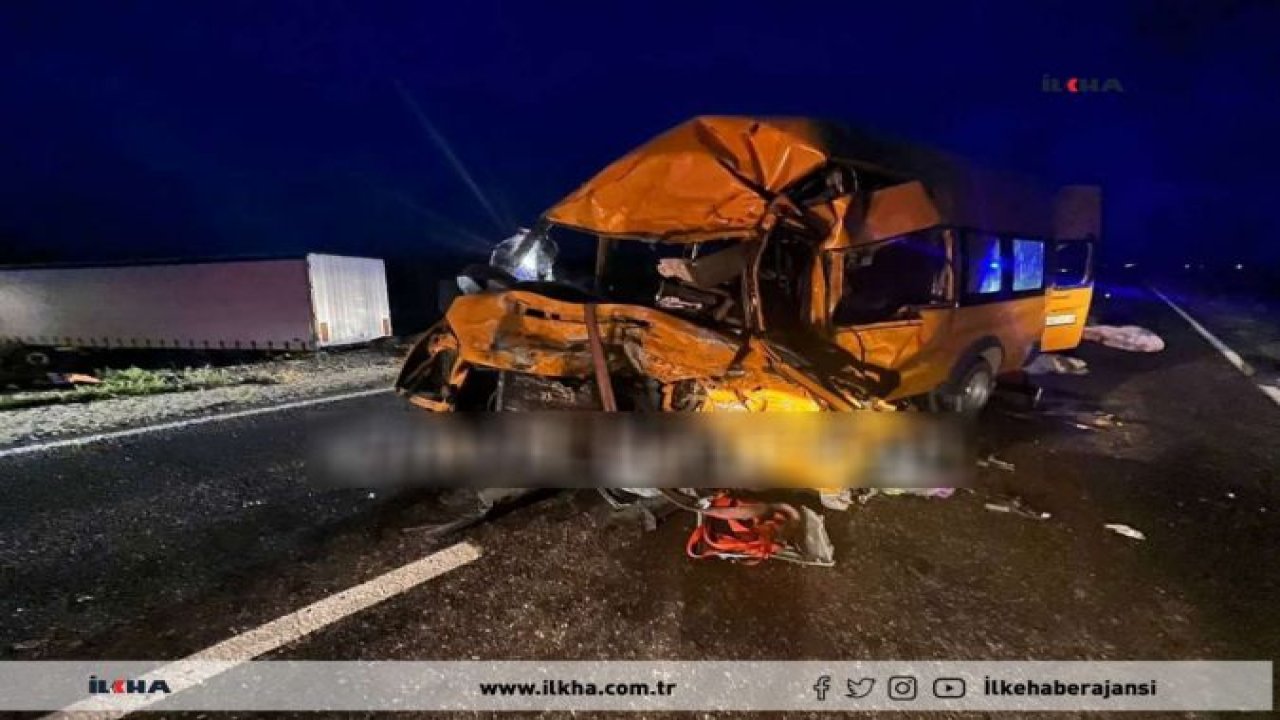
x,y
968,393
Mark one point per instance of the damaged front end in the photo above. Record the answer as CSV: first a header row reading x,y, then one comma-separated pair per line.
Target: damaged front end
x,y
517,350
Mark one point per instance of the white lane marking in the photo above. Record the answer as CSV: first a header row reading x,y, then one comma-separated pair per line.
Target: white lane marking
x,y
213,661
116,434
1232,356
1272,392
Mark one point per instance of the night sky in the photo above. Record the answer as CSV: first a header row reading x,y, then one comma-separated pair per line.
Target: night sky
x,y
184,129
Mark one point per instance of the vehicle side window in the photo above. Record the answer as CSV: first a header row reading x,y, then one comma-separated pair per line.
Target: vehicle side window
x,y
984,264
889,281
1028,264
1071,263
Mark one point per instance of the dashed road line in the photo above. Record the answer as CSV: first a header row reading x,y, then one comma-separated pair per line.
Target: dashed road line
x,y
232,652
178,424
1232,356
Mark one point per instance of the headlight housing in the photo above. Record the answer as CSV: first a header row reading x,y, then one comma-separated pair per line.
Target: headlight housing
x,y
527,256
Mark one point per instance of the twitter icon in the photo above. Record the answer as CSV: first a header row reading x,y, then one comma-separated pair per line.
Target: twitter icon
x,y
860,688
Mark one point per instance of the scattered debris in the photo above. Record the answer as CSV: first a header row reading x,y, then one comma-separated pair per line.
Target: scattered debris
x,y
1016,506
1084,419
751,532
865,495
1125,337
991,461
29,644
942,493
837,500
647,519
816,547
1105,419
1053,364
1125,530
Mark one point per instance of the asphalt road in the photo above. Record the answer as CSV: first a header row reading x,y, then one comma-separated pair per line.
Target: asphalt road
x,y
159,545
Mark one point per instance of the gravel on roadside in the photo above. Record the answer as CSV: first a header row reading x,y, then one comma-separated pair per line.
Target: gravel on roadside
x,y
291,379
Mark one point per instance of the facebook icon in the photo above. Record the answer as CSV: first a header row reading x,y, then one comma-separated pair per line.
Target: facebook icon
x,y
822,687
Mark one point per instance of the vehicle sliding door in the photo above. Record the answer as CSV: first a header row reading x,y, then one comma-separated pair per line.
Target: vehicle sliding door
x,y
1069,294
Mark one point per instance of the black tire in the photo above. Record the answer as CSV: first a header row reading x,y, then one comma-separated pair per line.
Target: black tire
x,y
968,392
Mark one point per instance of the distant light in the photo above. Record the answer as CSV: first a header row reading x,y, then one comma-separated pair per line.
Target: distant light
x,y
1106,295
1131,265
1239,266
994,266
1187,266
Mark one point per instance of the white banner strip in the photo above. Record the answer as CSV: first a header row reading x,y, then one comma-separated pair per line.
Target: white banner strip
x,y
120,687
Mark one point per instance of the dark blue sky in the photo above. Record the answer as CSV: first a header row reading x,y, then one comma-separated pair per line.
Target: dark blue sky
x,y
161,129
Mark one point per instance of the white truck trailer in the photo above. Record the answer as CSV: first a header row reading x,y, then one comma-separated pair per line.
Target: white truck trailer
x,y
290,304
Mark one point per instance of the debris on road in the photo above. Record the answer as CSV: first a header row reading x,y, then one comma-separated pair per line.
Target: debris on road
x,y
1086,419
1105,419
991,461
865,495
29,644
1054,364
1015,506
941,493
751,532
838,500
1124,337
1125,530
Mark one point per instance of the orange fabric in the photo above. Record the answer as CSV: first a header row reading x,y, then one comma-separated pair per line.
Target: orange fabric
x,y
756,539
709,177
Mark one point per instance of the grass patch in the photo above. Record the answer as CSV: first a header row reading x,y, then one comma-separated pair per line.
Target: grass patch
x,y
135,381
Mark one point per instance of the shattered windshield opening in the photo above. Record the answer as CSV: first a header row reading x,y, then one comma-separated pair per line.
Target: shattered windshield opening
x,y
699,281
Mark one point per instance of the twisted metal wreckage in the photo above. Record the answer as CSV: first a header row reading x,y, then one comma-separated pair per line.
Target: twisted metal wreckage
x,y
738,264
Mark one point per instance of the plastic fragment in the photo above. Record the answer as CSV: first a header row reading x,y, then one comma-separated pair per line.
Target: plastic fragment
x,y
1125,530
1017,507
991,461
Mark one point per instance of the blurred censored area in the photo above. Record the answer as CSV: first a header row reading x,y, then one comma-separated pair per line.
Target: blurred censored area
x,y
642,450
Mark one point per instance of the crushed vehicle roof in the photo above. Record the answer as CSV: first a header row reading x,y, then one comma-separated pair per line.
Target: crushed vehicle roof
x,y
715,177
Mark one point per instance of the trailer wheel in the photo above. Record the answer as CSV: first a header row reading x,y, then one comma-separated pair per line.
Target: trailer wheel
x,y
968,393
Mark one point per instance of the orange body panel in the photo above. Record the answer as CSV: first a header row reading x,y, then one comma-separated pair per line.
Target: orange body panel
x,y
699,180
1065,313
923,352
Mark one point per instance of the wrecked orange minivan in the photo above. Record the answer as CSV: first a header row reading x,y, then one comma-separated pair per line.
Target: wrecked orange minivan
x,y
735,263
